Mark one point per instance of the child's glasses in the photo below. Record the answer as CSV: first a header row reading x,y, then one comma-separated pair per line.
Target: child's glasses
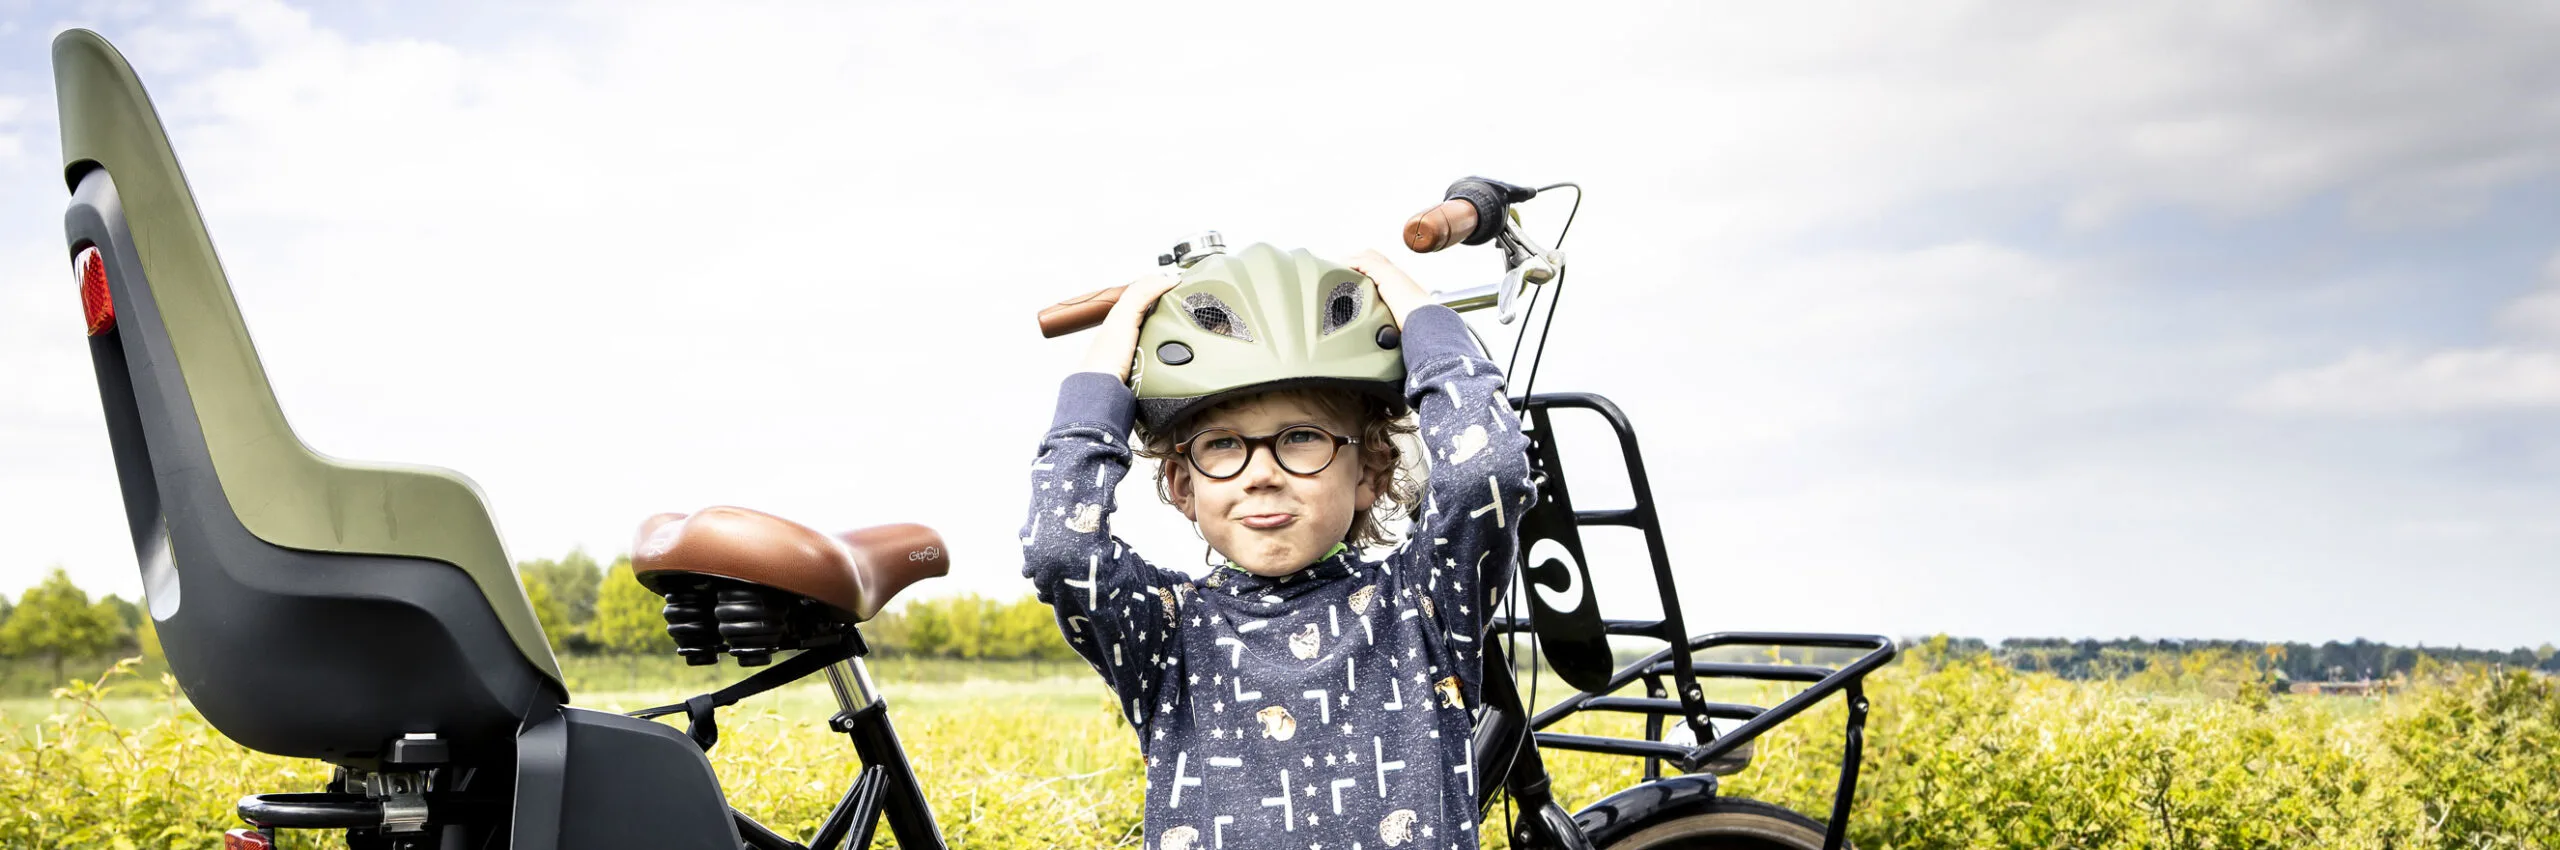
x,y
1221,454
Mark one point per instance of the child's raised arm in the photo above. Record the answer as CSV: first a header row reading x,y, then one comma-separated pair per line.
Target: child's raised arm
x,y
1479,462
1115,609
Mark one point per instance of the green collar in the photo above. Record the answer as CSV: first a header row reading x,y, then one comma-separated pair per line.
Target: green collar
x,y
1337,550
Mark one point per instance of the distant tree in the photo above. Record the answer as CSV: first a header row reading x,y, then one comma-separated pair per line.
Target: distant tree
x,y
126,612
5,607
112,612
55,620
573,581
548,610
147,640
970,618
629,619
889,633
929,628
1024,628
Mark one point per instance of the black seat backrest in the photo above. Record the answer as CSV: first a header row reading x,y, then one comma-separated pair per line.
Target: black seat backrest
x,y
309,606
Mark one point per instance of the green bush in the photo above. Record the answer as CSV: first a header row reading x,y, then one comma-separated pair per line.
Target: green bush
x,y
76,778
1961,752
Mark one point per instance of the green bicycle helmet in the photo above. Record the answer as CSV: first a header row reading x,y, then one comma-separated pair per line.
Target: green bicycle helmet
x,y
1263,319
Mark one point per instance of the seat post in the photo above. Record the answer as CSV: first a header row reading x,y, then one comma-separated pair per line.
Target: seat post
x,y
851,681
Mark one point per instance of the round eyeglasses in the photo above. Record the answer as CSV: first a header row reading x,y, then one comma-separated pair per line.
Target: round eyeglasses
x,y
1220,453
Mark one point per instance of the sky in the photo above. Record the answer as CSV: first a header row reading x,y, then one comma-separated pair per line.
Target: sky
x,y
2078,319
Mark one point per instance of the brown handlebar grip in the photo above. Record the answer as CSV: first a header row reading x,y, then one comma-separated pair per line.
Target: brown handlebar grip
x,y
1078,313
1441,226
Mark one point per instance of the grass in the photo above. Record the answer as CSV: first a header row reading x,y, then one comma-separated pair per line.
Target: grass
x,y
1961,753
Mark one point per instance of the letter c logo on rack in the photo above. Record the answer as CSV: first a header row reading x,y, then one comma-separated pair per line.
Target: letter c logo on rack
x,y
1548,551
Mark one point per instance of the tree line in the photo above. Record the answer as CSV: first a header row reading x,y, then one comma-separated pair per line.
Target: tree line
x,y
592,610
587,608
2333,661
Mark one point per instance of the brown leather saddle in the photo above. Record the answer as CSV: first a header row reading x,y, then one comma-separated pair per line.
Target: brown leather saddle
x,y
856,572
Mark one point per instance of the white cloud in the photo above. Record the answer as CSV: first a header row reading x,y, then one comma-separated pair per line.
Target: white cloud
x,y
12,146
2537,314
2521,375
2401,382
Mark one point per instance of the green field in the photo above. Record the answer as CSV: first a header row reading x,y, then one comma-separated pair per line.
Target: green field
x,y
1962,753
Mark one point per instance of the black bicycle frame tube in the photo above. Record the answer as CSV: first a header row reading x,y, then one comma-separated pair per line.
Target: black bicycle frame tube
x,y
887,786
1849,757
901,798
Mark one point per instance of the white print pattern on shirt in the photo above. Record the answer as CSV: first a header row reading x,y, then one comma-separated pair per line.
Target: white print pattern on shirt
x,y
1467,444
1378,759
1495,506
1288,810
1181,761
1087,518
1306,643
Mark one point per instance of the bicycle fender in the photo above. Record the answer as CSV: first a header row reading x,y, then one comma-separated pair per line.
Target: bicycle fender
x,y
1623,813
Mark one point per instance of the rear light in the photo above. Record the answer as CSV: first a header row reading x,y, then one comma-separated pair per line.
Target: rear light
x,y
94,298
246,839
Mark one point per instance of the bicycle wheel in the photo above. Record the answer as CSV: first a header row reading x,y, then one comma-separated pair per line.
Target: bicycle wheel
x,y
1728,823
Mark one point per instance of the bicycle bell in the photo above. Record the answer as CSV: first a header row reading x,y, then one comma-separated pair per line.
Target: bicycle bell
x,y
1194,247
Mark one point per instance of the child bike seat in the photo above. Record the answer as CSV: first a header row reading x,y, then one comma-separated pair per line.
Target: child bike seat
x,y
310,606
856,572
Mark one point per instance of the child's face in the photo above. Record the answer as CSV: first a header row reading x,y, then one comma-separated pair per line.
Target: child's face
x,y
1268,520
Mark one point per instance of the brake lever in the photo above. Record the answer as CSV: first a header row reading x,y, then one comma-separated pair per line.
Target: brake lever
x,y
1529,262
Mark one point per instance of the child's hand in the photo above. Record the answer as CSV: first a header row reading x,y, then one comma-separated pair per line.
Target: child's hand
x,y
1402,295
1115,341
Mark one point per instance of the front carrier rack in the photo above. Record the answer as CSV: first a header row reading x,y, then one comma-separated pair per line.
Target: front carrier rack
x,y
1574,638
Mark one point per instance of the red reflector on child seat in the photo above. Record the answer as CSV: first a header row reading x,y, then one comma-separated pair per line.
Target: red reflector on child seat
x,y
246,839
94,298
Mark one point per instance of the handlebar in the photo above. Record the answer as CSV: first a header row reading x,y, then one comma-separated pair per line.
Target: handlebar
x,y
1473,211
1441,226
1078,313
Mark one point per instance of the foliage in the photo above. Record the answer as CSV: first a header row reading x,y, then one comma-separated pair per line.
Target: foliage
x,y
547,610
971,626
126,612
2482,755
146,640
2332,661
1962,751
75,778
55,620
627,619
574,581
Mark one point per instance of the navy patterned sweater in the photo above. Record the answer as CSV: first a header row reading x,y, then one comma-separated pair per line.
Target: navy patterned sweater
x,y
1329,708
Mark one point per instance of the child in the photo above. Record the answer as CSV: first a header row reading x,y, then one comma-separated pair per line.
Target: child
x,y
1300,694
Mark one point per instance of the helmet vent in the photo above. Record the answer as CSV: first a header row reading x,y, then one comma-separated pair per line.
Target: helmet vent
x,y
1216,317
1342,306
